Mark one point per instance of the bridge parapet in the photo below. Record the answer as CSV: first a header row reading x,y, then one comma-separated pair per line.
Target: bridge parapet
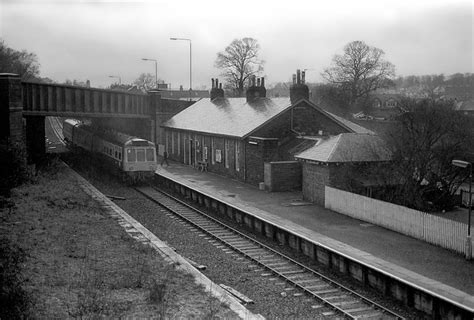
x,y
72,101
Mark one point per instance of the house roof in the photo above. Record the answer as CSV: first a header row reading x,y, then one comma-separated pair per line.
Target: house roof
x,y
237,118
465,105
348,147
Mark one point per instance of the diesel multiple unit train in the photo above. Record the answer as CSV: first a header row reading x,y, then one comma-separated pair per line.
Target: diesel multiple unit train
x,y
131,157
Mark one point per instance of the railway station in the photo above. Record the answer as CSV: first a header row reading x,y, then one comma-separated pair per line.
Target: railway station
x,y
270,175
415,272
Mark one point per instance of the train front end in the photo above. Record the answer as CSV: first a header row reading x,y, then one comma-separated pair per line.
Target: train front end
x,y
140,159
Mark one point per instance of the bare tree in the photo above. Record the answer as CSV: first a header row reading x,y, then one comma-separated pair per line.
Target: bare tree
x,y
239,61
360,70
146,81
424,141
22,62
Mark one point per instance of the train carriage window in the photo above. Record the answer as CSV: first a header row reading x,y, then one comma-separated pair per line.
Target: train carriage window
x,y
131,155
116,154
141,155
120,155
150,154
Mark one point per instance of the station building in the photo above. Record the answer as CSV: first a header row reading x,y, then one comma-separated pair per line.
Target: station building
x,y
343,161
236,137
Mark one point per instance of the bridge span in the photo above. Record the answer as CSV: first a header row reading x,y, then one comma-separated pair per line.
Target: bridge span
x,y
24,106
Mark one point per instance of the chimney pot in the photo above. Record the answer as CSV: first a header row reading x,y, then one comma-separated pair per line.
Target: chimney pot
x,y
298,76
294,78
303,73
216,91
262,82
258,82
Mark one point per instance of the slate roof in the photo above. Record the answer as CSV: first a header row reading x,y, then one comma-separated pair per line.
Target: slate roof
x,y
236,118
348,147
351,125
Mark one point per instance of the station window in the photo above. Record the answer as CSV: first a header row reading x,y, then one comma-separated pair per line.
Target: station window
x,y
226,153
141,155
172,142
150,154
131,155
237,155
213,156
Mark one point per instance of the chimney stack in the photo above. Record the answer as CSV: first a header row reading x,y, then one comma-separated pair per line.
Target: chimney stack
x,y
256,89
298,90
216,91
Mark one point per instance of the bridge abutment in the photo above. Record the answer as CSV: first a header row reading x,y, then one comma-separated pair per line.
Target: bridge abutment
x,y
35,138
11,108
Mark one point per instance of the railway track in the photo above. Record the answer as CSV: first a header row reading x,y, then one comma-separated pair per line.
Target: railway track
x,y
339,298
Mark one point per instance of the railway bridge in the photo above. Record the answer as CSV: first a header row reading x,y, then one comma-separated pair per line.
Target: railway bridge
x,y
24,106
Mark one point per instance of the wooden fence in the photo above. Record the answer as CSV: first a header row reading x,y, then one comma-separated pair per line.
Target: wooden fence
x,y
433,229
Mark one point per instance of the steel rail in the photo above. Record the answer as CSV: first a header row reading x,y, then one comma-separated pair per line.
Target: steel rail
x,y
254,252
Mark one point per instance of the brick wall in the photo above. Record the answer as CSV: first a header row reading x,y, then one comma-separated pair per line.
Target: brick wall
x,y
11,108
257,152
182,147
283,175
315,178
308,120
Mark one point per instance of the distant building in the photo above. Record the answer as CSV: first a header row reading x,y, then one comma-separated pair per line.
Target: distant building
x,y
181,94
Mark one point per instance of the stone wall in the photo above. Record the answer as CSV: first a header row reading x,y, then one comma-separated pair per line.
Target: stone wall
x,y
315,178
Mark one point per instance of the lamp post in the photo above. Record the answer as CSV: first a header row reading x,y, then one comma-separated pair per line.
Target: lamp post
x,y
190,64
156,70
117,77
464,165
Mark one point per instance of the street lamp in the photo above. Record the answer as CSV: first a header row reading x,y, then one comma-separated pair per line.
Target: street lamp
x,y
117,77
464,165
190,64
156,70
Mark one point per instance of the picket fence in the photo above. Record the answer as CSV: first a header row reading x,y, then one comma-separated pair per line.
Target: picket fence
x,y
433,229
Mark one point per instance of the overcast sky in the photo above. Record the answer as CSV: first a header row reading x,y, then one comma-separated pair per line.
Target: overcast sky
x,y
96,38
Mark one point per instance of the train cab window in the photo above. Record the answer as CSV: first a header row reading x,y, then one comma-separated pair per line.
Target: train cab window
x,y
131,155
141,155
150,154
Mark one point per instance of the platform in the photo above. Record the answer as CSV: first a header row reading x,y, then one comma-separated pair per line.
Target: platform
x,y
426,266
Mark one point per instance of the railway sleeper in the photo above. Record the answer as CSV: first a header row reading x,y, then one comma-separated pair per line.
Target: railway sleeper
x,y
248,247
237,241
358,309
275,264
343,303
373,315
291,272
266,258
304,282
286,267
325,291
